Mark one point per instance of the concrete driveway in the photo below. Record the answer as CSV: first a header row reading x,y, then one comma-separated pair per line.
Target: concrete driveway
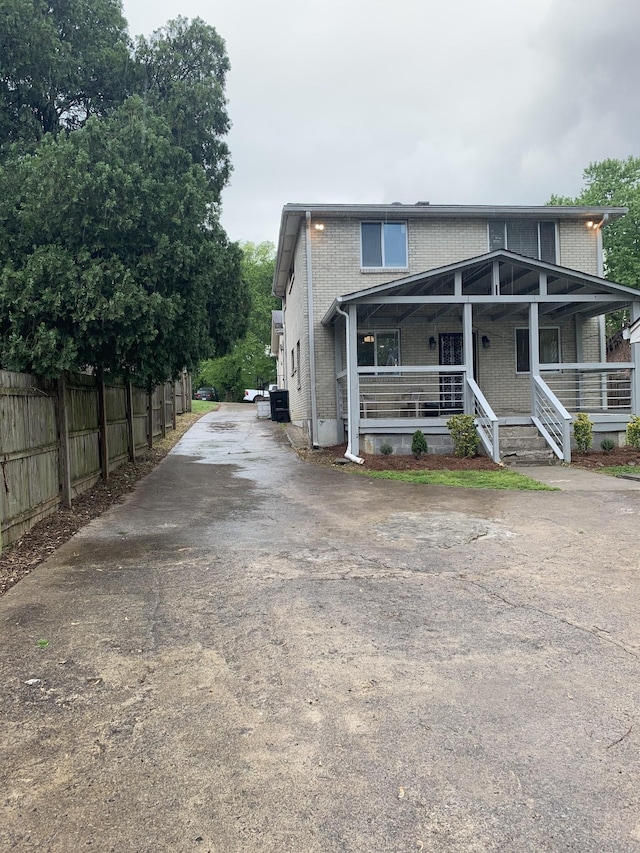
x,y
257,654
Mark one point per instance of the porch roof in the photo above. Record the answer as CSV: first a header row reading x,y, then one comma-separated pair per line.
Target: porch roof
x,y
497,278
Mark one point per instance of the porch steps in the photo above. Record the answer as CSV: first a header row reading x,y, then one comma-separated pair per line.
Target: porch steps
x,y
523,445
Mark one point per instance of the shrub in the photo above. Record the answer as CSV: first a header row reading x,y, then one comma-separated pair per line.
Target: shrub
x,y
464,435
386,449
583,432
633,432
419,444
607,444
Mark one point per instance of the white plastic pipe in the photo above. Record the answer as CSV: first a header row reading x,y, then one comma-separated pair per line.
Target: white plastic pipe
x,y
349,454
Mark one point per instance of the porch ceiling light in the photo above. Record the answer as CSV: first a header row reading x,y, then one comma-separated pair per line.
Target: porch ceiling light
x,y
590,223
319,226
368,339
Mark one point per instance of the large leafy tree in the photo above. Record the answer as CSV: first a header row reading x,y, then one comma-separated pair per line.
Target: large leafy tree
x,y
250,361
615,182
181,71
60,62
111,253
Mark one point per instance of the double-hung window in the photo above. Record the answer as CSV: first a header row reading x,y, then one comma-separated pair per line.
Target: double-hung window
x,y
549,347
524,237
383,245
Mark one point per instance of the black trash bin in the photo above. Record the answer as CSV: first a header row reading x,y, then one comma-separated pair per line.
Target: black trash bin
x,y
280,406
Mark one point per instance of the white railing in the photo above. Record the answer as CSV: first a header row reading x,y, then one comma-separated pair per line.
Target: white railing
x,y
486,421
552,419
601,387
420,392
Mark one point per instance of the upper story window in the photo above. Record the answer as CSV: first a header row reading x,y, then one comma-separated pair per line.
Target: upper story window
x,y
383,244
524,237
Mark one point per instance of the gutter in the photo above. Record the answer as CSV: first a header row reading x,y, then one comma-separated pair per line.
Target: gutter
x,y
312,343
349,454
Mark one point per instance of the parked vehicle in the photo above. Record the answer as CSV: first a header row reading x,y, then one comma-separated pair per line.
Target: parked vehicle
x,y
255,395
209,393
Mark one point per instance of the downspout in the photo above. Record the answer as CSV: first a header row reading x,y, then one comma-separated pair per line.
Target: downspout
x,y
349,454
312,342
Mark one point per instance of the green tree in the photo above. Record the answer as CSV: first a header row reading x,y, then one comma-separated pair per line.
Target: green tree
x,y
617,183
61,61
181,71
111,252
250,358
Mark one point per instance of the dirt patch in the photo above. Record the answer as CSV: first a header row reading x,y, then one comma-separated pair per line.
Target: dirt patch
x,y
21,557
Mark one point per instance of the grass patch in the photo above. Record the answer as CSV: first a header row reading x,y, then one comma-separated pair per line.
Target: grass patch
x,y
464,479
201,407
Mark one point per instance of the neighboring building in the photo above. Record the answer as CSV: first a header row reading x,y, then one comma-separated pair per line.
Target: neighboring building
x,y
394,317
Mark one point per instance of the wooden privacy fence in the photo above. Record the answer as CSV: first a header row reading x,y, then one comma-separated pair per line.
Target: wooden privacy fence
x,y
57,438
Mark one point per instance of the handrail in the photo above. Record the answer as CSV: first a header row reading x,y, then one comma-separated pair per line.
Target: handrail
x,y
485,420
552,419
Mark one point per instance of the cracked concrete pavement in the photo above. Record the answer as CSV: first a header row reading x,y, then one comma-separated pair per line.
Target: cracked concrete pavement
x,y
255,653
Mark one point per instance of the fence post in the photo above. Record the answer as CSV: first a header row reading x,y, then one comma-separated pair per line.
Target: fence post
x,y
163,403
63,442
131,436
102,427
150,420
174,417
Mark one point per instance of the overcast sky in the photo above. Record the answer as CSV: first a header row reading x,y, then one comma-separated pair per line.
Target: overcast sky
x,y
462,102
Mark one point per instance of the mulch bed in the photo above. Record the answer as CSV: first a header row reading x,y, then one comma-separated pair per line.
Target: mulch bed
x,y
602,458
400,462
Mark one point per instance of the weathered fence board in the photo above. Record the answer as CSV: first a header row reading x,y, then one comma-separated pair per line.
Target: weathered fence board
x,y
57,438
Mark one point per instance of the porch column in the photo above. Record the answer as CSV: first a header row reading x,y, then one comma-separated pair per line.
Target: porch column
x,y
534,350
635,358
467,346
353,380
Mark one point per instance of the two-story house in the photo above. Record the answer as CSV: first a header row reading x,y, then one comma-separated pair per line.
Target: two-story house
x,y
394,317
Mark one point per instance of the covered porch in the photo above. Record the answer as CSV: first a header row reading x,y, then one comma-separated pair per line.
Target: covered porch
x,y
509,340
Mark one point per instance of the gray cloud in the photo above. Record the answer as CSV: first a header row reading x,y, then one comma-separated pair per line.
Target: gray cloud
x,y
464,102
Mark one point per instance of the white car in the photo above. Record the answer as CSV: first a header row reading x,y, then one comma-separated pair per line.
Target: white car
x,y
254,395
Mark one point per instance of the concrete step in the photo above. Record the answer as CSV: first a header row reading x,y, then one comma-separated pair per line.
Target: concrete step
x,y
523,445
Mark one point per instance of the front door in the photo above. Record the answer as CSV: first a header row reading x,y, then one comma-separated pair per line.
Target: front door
x,y
451,384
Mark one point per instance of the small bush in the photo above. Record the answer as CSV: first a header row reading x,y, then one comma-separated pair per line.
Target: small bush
x,y
583,432
607,444
464,435
386,449
633,432
419,444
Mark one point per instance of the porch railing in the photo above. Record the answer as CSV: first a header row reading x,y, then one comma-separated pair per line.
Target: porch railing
x,y
392,392
486,421
552,419
603,387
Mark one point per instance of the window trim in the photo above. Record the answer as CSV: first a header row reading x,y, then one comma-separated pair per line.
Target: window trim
x,y
557,329
383,267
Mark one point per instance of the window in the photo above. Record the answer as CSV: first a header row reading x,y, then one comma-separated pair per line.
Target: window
x,y
524,237
379,349
549,343
383,245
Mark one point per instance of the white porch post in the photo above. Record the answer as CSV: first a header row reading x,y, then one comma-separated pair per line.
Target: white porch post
x,y
635,358
467,344
353,381
534,350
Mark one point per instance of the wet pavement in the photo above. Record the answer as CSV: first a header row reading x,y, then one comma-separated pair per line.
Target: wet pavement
x,y
255,653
